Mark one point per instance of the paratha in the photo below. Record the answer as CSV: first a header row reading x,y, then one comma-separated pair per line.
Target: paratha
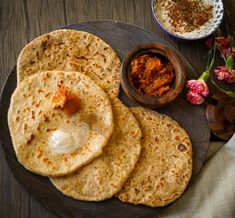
x,y
72,50
34,123
105,176
165,164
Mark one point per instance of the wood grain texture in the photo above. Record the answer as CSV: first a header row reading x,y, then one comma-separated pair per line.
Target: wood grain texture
x,y
22,20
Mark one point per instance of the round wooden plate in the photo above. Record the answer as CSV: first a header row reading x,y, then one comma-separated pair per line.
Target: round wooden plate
x,y
121,37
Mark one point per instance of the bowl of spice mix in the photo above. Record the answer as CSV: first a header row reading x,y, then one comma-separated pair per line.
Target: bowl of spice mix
x,y
188,19
152,75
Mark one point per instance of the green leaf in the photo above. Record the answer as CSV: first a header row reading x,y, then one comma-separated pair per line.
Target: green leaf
x,y
229,62
211,57
229,93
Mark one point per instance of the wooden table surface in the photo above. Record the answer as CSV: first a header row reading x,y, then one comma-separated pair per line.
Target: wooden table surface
x,y
23,20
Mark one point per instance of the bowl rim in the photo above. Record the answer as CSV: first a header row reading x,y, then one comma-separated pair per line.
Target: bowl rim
x,y
183,37
168,53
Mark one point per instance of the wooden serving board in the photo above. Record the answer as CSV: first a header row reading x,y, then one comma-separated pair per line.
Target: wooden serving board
x,y
121,37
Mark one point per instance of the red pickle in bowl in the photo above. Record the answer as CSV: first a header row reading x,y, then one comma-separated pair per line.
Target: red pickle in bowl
x,y
152,75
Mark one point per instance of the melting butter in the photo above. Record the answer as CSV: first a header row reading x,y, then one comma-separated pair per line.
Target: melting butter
x,y
69,139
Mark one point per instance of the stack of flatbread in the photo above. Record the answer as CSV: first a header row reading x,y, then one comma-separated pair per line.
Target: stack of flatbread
x,y
102,149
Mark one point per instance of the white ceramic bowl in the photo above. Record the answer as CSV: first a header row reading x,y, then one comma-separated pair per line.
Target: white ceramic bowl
x,y
218,13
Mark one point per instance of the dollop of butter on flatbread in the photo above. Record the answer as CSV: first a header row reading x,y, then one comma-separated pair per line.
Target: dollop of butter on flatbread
x,y
62,141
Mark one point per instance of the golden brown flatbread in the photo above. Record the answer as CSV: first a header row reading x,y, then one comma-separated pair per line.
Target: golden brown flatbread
x,y
71,50
46,140
106,175
165,164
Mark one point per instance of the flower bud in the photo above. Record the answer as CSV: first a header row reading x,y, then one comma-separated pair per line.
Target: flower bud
x,y
209,43
222,42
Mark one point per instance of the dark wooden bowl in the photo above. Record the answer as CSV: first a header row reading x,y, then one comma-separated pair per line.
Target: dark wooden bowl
x,y
143,99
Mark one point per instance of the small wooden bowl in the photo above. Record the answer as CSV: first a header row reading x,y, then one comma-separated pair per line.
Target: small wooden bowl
x,y
143,99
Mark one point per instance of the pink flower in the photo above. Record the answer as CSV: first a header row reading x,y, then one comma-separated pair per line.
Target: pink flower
x,y
223,42
198,87
225,74
196,90
194,98
229,52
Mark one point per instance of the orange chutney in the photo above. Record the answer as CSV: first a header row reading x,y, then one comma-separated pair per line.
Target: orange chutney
x,y
151,74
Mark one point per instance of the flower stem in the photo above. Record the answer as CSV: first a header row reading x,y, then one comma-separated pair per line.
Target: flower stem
x,y
211,57
205,76
221,53
229,93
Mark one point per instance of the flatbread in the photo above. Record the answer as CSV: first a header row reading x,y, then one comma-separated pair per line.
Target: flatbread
x,y
72,50
32,121
165,164
105,176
